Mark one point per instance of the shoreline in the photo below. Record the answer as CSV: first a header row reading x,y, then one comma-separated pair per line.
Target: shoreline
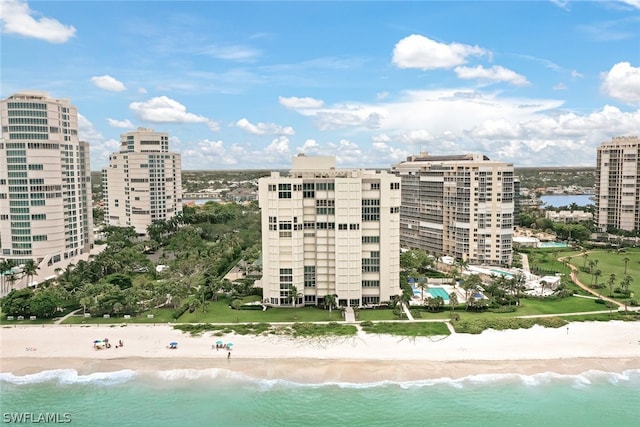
x,y
326,370
580,347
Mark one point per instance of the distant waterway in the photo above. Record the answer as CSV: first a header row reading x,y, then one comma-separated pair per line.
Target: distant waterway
x,y
198,201
558,200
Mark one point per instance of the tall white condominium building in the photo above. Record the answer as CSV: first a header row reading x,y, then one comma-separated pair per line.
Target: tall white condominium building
x,y
459,206
329,232
45,182
617,185
143,181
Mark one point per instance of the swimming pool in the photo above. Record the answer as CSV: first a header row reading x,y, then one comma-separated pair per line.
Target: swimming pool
x,y
502,273
439,292
552,245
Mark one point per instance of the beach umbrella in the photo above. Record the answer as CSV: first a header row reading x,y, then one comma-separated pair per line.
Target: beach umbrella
x,y
229,344
218,342
96,341
173,343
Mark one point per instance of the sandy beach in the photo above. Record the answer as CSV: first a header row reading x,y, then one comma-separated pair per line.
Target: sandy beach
x,y
580,347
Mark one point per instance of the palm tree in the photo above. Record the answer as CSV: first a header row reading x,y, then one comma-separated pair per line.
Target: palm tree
x,y
453,300
626,282
30,268
330,300
612,281
584,257
293,295
472,283
422,284
597,274
543,284
626,261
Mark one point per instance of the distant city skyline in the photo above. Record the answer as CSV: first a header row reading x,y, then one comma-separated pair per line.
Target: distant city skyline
x,y
248,85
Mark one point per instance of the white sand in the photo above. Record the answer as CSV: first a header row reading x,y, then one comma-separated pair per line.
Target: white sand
x,y
611,346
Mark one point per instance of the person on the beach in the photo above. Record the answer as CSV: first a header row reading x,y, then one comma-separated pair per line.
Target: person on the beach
x,y
229,355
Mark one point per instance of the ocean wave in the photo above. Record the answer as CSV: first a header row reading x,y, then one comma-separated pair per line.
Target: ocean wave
x,y
69,376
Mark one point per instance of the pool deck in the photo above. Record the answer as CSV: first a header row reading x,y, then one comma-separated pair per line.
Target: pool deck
x,y
417,299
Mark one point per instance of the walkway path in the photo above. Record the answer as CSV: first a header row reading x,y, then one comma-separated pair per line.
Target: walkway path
x,y
525,263
349,315
574,279
62,319
407,312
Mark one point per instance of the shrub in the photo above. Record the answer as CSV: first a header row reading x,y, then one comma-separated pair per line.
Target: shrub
x,y
180,311
503,309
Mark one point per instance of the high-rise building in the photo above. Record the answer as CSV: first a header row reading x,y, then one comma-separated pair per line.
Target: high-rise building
x,y
459,206
143,181
617,186
327,231
45,183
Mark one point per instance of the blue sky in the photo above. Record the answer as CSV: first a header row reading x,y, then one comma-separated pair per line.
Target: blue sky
x,y
248,85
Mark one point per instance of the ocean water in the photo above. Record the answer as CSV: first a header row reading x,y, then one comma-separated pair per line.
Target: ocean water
x,y
215,397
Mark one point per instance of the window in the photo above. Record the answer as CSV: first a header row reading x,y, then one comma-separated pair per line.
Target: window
x,y
309,276
370,283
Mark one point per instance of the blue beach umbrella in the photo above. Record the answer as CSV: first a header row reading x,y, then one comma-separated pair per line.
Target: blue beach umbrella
x,y
229,344
218,342
173,343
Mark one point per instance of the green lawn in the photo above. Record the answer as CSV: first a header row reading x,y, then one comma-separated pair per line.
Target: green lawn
x,y
611,262
421,329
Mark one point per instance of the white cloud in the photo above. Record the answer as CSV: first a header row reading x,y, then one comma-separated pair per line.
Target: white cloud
x,y
559,86
634,3
279,146
416,51
296,103
99,147
142,90
17,18
310,147
622,82
576,75
231,52
264,128
125,124
493,74
209,153
107,82
562,4
162,109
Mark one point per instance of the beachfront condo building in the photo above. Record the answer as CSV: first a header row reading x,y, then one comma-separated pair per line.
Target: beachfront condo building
x,y
617,187
328,231
143,181
45,183
459,206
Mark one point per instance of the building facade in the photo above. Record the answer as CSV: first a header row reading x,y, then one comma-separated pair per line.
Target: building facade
x,y
617,186
460,206
327,231
45,182
143,181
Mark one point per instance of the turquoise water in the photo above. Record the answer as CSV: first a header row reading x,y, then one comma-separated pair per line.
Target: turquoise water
x,y
219,397
559,200
439,292
552,245
433,292
504,273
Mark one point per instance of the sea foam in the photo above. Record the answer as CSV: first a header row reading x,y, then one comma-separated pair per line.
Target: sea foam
x,y
69,376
